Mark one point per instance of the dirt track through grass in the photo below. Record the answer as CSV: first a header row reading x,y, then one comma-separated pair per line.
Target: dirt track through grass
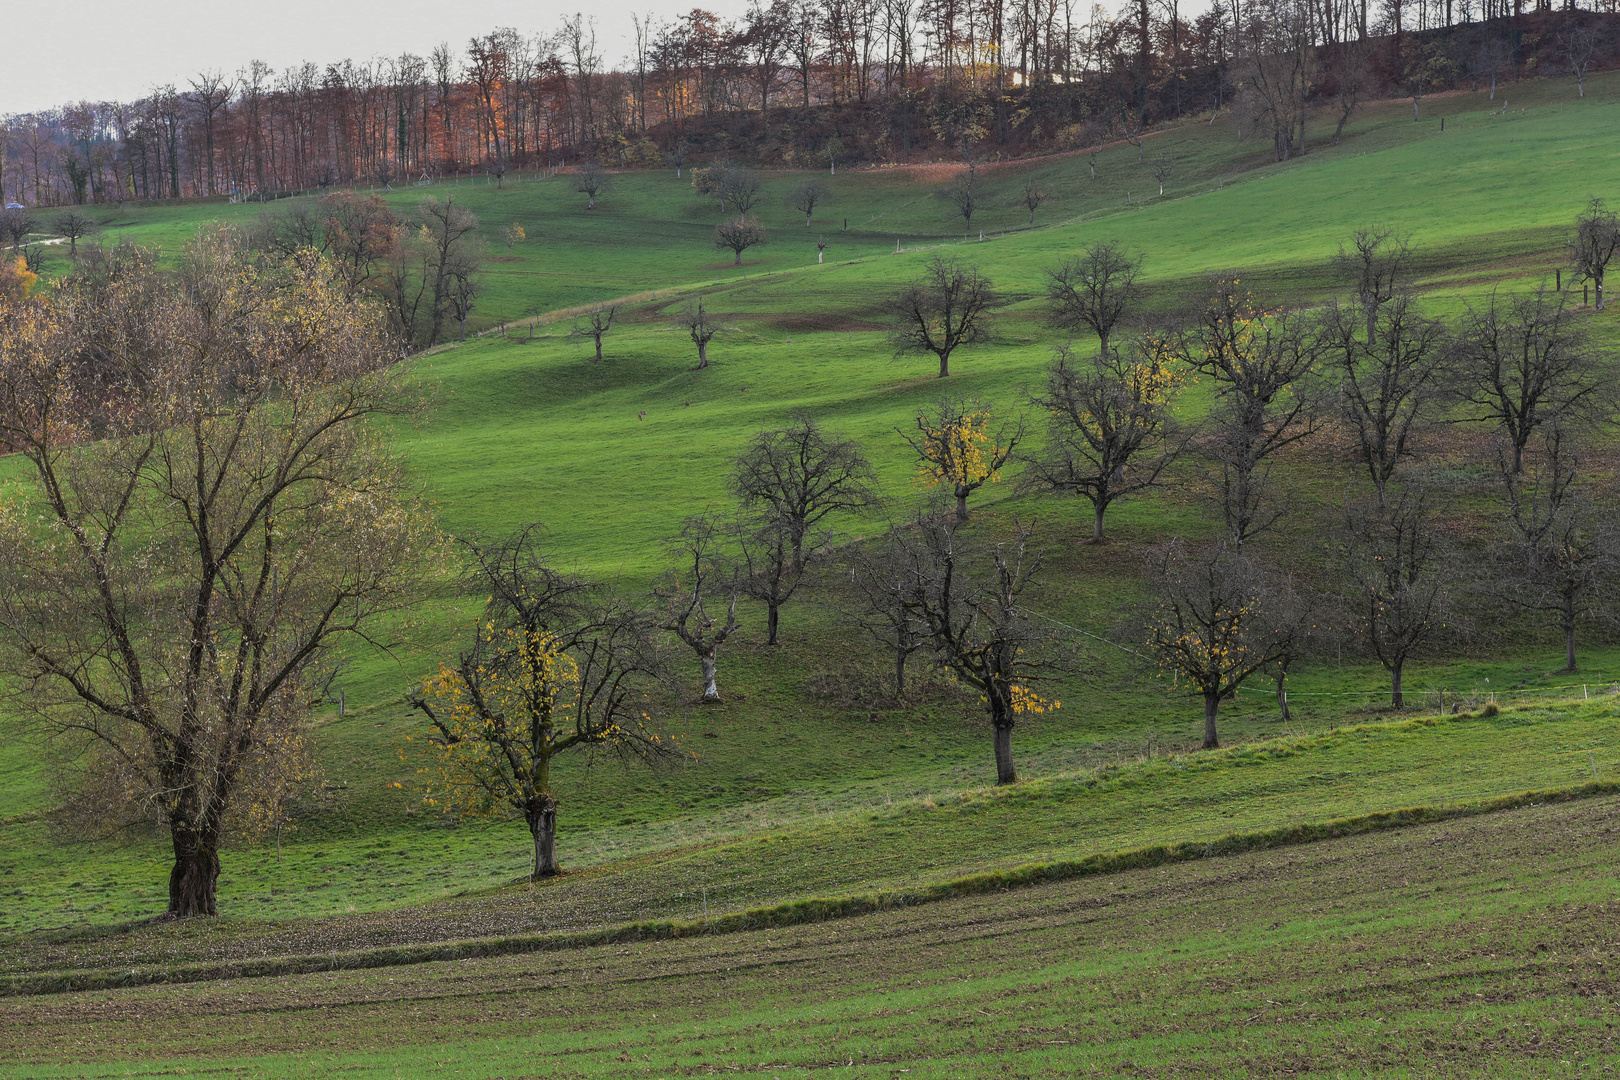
x,y
1485,946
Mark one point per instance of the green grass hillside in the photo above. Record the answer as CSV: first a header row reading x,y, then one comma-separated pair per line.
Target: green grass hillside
x,y
802,785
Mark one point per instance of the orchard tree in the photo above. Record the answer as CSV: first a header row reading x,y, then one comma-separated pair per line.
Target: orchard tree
x,y
591,181
702,581
1389,384
966,193
1262,364
740,189
965,596
944,310
1561,556
555,666
1110,429
1374,264
882,581
1218,619
1094,291
957,450
1034,195
701,329
1593,245
598,321
210,511
789,482
738,236
74,225
1395,580
806,196
1522,362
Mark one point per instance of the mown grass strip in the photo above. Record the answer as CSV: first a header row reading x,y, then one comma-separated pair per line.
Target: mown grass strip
x,y
800,912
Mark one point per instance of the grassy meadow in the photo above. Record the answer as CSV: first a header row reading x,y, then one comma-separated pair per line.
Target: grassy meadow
x,y
1410,952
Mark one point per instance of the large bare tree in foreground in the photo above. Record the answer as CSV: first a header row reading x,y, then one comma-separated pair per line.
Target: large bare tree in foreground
x,y
209,514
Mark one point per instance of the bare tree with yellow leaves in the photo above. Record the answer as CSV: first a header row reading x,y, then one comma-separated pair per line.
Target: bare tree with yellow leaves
x,y
964,597
1110,428
554,666
957,450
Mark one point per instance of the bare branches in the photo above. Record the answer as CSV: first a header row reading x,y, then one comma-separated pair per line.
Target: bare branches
x,y
233,521
1094,290
1594,244
598,321
738,236
806,196
1110,430
592,180
1523,363
948,308
700,581
700,328
966,193
965,598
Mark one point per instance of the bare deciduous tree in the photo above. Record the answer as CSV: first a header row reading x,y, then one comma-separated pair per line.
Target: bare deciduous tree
x,y
1374,265
1094,290
555,666
598,321
966,597
701,579
1218,619
740,189
1522,362
74,225
1388,386
1110,429
806,196
1163,166
1263,365
1563,546
966,193
592,180
883,585
212,514
738,236
1034,196
701,329
1396,580
789,481
1593,245
948,308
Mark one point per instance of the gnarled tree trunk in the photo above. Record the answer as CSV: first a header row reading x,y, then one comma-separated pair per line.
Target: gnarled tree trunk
x,y
1212,704
194,879
1396,698
711,690
542,820
1005,773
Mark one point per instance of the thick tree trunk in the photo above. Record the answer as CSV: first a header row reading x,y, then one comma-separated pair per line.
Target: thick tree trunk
x,y
944,365
711,689
900,672
194,879
703,354
1212,703
961,504
1097,524
543,827
599,348
770,623
1005,773
1396,698
738,260
1597,286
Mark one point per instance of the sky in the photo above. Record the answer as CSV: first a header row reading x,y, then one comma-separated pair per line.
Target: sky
x,y
116,50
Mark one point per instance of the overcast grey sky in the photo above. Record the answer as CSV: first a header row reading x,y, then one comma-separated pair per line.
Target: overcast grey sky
x,y
111,50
